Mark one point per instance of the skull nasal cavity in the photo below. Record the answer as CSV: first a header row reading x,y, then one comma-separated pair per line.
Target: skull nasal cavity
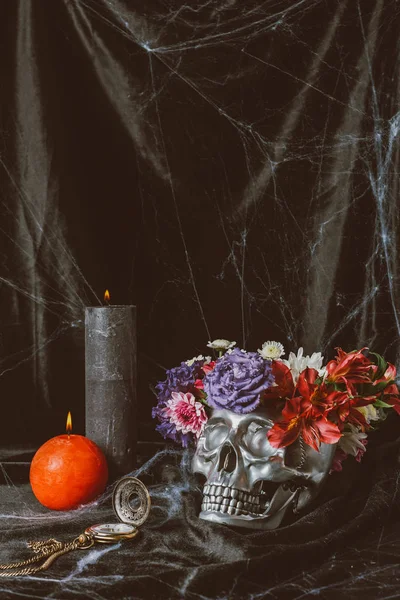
x,y
227,459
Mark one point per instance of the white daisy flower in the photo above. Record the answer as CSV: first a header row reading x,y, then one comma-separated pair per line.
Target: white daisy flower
x,y
271,350
298,363
221,345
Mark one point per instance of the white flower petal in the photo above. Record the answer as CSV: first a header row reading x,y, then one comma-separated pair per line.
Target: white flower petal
x,y
350,442
298,363
271,350
194,359
370,413
221,344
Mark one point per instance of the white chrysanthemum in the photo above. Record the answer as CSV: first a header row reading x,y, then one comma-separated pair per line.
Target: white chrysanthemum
x,y
206,359
271,350
298,363
221,345
350,442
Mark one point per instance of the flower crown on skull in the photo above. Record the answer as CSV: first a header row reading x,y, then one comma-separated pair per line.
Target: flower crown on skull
x,y
336,403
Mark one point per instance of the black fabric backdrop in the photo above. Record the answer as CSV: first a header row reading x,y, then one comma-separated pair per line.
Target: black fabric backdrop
x,y
229,167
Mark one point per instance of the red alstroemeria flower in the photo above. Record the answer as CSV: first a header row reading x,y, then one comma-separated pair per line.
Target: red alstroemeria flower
x,y
390,394
347,411
308,376
284,386
315,396
336,398
299,420
319,399
348,367
342,406
198,390
389,374
198,384
207,368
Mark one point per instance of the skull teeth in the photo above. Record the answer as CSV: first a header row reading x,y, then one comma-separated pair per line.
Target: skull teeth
x,y
232,501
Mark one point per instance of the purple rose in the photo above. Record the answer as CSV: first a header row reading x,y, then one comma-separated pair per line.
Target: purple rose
x,y
237,381
179,379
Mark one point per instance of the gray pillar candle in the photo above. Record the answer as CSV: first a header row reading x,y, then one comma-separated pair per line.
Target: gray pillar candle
x,y
111,384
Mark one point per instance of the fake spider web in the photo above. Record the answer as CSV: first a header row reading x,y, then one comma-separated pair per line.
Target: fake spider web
x,y
266,145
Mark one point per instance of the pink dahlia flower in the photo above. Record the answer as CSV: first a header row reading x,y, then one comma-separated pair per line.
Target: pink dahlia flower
x,y
186,413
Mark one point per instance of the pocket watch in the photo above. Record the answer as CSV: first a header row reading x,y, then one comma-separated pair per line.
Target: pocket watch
x,y
131,503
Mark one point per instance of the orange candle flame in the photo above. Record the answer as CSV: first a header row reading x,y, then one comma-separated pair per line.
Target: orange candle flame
x,y
107,297
68,427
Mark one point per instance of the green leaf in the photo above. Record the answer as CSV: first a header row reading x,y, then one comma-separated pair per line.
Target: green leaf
x,y
381,364
338,387
372,390
382,404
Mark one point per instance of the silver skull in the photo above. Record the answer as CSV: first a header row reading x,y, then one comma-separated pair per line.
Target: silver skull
x,y
248,482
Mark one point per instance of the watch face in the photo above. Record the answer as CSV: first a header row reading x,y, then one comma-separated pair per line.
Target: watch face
x,y
109,533
113,529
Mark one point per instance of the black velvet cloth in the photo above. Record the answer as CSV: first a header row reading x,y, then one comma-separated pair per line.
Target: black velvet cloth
x,y
230,167
346,547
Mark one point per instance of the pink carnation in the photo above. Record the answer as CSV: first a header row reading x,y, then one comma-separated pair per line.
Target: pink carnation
x,y
186,413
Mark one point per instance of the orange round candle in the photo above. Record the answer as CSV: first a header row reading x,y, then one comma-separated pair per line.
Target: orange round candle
x,y
67,471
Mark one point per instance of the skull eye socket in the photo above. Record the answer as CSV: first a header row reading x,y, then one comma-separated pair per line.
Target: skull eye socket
x,y
255,438
215,435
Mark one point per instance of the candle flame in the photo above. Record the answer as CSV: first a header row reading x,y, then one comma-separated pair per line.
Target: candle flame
x,y
107,297
68,427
